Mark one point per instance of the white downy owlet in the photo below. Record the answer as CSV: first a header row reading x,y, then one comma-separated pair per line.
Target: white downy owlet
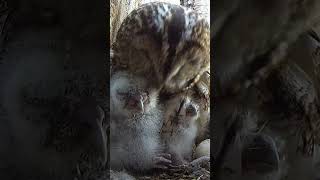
x,y
180,128
186,120
135,123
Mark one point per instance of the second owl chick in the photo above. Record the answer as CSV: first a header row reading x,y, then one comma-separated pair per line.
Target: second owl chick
x,y
180,128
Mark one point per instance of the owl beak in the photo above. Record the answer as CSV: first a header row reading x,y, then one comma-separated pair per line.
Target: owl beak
x,y
191,111
136,102
140,106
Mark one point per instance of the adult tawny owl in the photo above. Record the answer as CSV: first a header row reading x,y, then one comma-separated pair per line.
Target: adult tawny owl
x,y
166,43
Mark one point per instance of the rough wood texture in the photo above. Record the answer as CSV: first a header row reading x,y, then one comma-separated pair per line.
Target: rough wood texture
x,y
119,9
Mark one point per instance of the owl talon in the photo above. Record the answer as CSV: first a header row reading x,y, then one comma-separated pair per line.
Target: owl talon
x,y
165,155
179,168
202,162
162,161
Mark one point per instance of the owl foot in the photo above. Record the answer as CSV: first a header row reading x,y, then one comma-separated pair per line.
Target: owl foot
x,y
194,166
162,161
201,162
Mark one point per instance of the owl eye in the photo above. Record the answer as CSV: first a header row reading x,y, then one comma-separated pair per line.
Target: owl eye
x,y
122,94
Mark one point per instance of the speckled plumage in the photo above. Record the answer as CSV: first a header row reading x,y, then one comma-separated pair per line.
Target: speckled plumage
x,y
166,43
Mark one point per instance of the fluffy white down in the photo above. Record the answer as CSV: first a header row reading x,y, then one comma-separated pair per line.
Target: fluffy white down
x,y
120,175
134,142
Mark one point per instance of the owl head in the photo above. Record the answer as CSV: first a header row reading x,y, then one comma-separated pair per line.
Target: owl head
x,y
129,95
180,112
188,110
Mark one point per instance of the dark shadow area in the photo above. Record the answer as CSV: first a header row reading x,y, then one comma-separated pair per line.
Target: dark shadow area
x,y
54,89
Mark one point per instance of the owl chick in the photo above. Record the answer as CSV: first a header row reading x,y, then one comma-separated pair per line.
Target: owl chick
x,y
187,118
201,94
180,128
166,43
135,122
